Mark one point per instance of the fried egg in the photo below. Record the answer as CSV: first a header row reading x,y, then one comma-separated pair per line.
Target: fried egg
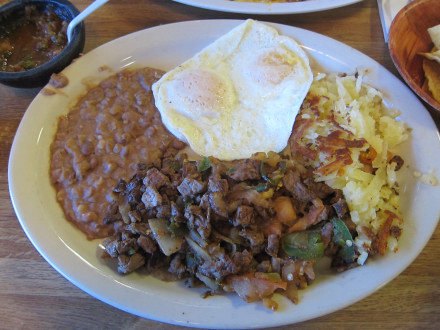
x,y
239,95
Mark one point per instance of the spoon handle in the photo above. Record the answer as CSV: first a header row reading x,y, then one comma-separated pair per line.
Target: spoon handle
x,y
86,12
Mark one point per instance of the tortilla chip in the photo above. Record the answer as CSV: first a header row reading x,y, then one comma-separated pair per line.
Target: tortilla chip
x,y
434,56
432,74
434,33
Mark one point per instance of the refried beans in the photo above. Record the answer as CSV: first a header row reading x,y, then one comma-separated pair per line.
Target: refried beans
x,y
112,128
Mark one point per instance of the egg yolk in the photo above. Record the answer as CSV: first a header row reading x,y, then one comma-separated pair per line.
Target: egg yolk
x,y
271,68
200,93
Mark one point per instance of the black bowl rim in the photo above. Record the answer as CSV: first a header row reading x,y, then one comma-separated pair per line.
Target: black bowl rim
x,y
77,39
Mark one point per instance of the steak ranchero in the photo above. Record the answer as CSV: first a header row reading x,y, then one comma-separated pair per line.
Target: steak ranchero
x,y
226,224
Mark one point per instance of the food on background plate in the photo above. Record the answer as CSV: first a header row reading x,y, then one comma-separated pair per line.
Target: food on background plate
x,y
249,81
268,1
252,225
431,63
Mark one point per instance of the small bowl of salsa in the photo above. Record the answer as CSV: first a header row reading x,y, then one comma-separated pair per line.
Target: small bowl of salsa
x,y
33,41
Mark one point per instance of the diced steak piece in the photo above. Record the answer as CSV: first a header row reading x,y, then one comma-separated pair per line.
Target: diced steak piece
x,y
319,189
127,245
156,179
218,167
190,169
128,264
134,216
198,221
218,204
218,267
326,233
244,216
138,228
191,187
112,214
111,246
147,244
243,260
340,207
134,190
163,211
176,213
273,242
292,182
255,238
248,169
151,197
217,184
176,266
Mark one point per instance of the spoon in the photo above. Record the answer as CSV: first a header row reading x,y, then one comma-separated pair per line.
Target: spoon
x,y
86,12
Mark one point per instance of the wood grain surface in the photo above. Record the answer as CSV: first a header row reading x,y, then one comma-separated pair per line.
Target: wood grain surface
x,y
34,296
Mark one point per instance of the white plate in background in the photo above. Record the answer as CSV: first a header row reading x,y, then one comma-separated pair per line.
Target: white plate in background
x,y
306,6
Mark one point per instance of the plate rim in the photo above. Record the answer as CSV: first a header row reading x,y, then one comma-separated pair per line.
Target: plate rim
x,y
268,9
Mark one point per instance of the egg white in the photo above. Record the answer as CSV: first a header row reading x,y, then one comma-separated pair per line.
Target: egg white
x,y
239,95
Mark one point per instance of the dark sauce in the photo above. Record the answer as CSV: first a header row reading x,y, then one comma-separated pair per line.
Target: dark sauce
x,y
31,40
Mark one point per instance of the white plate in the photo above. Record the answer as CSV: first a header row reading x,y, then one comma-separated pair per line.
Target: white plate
x,y
268,8
164,47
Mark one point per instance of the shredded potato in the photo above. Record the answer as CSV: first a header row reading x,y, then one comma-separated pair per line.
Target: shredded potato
x,y
345,132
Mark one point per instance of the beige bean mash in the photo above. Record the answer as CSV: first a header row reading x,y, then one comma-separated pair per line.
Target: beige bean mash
x,y
112,128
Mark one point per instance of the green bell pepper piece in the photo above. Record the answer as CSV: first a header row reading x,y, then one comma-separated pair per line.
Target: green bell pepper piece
x,y
343,238
304,245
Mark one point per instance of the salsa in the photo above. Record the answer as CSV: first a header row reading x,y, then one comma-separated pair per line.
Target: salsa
x,y
32,39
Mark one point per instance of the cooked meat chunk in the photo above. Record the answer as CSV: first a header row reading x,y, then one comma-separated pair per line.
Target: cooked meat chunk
x,y
189,169
128,264
254,237
273,242
248,169
321,190
218,204
244,216
218,267
111,246
198,221
243,260
216,184
147,244
292,182
191,187
177,266
220,225
151,197
154,178
340,207
163,211
134,216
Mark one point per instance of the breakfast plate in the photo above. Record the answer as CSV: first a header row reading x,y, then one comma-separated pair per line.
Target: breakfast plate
x,y
266,8
78,260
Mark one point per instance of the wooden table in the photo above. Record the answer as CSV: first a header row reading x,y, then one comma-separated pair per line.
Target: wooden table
x,y
34,295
